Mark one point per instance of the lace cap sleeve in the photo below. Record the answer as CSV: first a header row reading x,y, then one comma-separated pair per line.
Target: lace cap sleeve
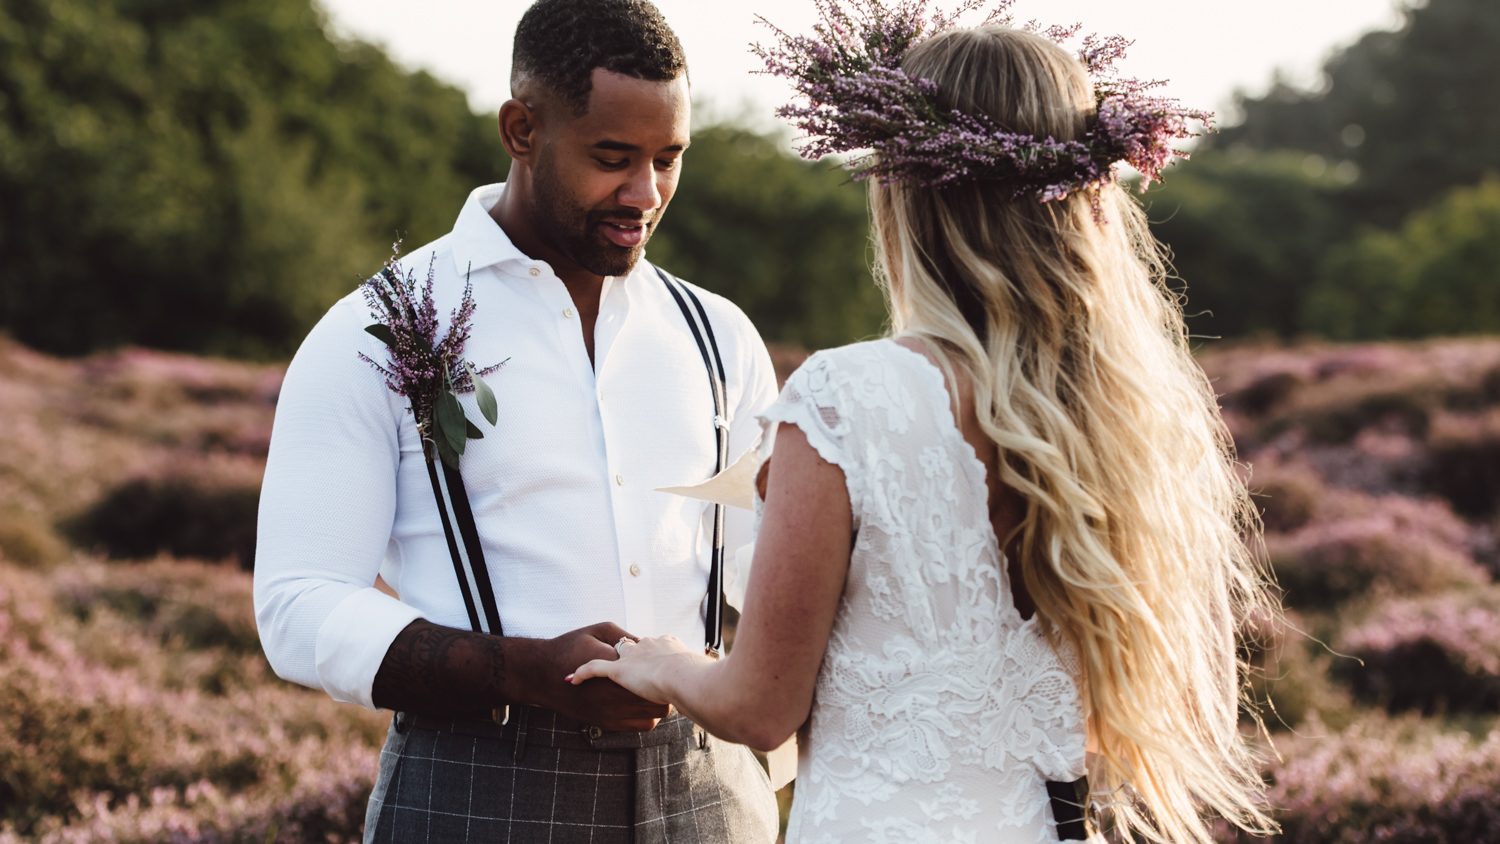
x,y
813,401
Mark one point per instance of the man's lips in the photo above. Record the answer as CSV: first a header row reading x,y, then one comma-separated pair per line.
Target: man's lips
x,y
624,233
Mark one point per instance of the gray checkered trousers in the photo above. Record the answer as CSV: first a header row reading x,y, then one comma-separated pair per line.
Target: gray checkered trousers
x,y
543,778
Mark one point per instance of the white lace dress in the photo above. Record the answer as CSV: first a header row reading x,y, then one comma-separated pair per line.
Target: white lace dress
x,y
938,713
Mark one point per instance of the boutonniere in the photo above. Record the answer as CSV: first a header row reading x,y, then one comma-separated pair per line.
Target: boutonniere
x,y
430,372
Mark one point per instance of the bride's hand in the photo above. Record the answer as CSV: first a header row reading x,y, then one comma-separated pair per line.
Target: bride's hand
x,y
644,666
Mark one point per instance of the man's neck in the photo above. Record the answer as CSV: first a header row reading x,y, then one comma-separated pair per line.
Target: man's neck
x,y
513,213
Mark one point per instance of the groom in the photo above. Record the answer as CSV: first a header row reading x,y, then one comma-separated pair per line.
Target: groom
x,y
604,398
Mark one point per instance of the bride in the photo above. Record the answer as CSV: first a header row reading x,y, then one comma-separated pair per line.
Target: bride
x,y
1010,533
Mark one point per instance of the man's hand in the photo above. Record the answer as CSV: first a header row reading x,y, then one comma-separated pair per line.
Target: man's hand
x,y
435,670
602,703
647,667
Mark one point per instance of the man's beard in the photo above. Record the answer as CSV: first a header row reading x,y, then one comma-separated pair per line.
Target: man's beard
x,y
575,231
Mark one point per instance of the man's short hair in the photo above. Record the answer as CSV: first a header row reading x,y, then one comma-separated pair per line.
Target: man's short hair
x,y
560,42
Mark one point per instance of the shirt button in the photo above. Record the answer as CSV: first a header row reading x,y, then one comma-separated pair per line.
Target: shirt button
x,y
601,395
568,312
595,733
619,480
535,271
635,570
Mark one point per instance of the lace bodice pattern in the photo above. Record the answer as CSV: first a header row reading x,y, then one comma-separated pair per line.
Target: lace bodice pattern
x,y
938,712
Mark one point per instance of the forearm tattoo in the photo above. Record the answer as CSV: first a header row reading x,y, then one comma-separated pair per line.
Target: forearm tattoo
x,y
436,670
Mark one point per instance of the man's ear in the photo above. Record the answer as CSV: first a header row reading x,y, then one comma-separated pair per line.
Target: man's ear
x,y
520,130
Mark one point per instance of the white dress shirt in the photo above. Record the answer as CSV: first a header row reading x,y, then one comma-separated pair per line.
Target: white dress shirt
x,y
562,486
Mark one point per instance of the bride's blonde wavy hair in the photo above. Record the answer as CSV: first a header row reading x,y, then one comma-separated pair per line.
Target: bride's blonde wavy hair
x,y
1133,546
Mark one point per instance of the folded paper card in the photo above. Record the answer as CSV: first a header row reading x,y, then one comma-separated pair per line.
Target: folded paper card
x,y
733,487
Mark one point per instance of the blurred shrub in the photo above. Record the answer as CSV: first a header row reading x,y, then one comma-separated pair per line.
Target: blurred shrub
x,y
1289,679
1439,274
202,509
785,239
187,605
1287,494
1465,464
75,431
1331,421
1373,543
29,541
181,401
1262,394
1393,781
1437,654
321,808
115,726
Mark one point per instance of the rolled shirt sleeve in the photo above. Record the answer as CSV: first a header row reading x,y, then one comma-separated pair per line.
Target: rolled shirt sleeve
x,y
327,506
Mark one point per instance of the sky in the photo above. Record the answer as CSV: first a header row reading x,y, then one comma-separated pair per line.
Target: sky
x,y
1206,49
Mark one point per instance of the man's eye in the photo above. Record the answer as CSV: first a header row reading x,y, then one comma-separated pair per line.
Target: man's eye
x,y
667,164
613,165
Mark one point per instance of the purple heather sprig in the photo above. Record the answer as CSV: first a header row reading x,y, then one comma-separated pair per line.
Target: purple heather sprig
x,y
429,371
859,100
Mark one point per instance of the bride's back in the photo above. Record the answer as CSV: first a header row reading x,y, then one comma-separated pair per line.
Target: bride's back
x,y
1006,507
937,706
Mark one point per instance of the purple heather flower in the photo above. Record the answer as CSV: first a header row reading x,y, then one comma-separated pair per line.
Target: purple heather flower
x,y
858,100
422,366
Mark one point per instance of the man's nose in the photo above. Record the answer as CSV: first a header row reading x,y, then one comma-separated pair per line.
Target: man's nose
x,y
640,191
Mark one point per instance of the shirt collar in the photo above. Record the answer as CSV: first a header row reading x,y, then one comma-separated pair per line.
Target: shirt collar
x,y
479,242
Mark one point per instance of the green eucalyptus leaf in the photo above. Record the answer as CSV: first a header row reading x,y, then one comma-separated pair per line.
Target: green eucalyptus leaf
x,y
472,430
446,452
485,396
451,422
383,333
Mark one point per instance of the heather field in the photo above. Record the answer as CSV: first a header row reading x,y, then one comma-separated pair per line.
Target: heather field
x,y
135,704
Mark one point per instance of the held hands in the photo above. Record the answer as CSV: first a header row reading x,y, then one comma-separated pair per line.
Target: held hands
x,y
645,667
599,702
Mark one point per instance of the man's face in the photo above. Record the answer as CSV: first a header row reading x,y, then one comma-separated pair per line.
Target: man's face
x,y
603,180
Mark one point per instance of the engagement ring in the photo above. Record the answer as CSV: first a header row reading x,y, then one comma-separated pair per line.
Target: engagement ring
x,y
620,644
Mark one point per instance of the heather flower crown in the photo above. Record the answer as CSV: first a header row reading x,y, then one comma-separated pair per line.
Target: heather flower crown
x,y
859,100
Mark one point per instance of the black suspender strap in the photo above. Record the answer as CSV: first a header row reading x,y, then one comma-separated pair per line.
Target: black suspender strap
x,y
473,549
458,560
708,347
469,566
468,554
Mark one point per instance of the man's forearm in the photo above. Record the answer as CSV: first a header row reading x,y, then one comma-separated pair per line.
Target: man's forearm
x,y
437,670
434,670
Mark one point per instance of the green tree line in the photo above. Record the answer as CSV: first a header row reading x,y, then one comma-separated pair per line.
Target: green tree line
x,y
209,175
1361,210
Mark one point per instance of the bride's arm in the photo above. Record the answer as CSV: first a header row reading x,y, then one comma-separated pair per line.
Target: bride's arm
x,y
761,693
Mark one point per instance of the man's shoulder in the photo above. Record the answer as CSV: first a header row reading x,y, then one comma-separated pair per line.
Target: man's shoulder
x,y
437,255
353,311
724,315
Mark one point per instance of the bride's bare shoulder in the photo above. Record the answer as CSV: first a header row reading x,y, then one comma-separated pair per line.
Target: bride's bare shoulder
x,y
921,347
931,351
